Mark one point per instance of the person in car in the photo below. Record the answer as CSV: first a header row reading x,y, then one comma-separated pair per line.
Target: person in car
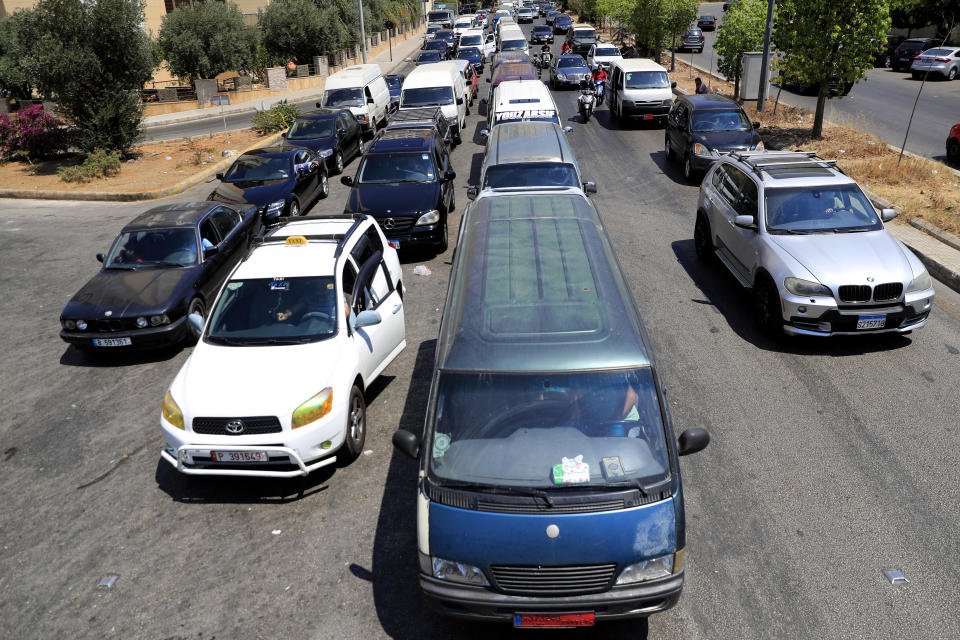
x,y
316,298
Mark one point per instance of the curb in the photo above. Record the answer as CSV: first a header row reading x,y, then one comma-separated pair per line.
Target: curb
x,y
938,270
945,237
132,196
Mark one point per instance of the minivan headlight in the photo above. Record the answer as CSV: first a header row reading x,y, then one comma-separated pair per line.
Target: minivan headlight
x,y
313,409
430,217
702,150
921,283
647,570
458,572
760,146
800,287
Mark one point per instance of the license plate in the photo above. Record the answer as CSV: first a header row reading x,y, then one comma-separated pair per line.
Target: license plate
x,y
239,456
871,322
648,116
112,342
554,620
394,243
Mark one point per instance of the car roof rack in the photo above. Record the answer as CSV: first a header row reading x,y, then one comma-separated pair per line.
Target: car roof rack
x,y
761,160
339,238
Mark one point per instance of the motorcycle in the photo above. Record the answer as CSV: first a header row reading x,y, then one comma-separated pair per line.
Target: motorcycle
x,y
599,88
585,101
543,62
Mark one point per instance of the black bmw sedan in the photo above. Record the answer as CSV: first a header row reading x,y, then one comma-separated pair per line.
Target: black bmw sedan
x,y
336,130
166,264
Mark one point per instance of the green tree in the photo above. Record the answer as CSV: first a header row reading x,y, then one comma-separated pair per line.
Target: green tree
x,y
913,14
824,42
292,30
741,31
655,22
16,69
206,39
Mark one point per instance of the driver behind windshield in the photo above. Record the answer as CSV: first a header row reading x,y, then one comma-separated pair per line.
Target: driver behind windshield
x,y
313,296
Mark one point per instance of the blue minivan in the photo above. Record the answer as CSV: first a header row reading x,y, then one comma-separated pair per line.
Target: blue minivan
x,y
549,490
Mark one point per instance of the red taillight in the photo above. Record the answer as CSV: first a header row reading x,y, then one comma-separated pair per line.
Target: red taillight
x,y
916,57
896,51
942,59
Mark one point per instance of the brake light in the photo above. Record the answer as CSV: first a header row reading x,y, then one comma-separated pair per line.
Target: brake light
x,y
916,57
896,51
942,59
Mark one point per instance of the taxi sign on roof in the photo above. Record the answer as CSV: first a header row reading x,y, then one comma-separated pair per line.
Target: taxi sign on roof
x,y
296,241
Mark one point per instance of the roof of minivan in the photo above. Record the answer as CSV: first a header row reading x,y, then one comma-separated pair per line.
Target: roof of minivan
x,y
355,75
429,74
637,64
537,288
523,95
528,142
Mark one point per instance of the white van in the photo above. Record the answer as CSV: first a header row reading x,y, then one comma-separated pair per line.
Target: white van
x,y
437,85
362,89
640,89
522,101
511,38
476,38
463,23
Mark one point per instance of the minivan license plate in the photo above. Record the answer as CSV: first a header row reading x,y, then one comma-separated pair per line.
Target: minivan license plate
x,y
556,620
239,456
871,322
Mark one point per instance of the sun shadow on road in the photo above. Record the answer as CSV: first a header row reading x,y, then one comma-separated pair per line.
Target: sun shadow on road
x,y
74,357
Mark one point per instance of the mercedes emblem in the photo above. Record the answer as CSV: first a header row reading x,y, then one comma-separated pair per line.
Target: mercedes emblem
x,y
235,427
388,223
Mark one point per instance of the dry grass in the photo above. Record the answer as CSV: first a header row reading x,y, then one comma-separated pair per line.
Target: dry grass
x,y
922,188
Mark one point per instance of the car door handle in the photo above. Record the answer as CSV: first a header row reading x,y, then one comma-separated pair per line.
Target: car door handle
x,y
397,308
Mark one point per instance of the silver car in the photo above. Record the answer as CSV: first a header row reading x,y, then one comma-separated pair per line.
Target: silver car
x,y
805,239
944,61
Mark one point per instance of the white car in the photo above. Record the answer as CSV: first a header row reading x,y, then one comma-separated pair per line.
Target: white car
x,y
602,53
300,329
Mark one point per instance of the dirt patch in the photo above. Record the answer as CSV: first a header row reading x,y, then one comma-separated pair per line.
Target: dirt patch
x,y
154,165
922,188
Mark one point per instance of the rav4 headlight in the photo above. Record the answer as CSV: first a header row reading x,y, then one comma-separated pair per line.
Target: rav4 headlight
x,y
458,572
921,283
171,411
647,570
313,409
799,287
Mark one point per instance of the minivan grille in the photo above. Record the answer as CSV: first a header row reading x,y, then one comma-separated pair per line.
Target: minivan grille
x,y
255,425
887,291
855,293
565,580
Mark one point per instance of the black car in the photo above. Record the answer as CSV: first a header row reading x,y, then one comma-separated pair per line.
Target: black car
x,y
473,55
551,16
702,126
546,7
448,36
334,130
907,50
166,264
561,23
885,48
541,34
707,22
394,84
405,181
423,118
428,57
276,180
440,46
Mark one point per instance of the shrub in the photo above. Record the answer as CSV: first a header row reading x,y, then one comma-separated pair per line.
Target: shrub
x,y
278,118
32,133
98,164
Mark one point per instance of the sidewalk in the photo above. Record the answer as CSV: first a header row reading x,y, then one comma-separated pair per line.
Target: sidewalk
x,y
402,50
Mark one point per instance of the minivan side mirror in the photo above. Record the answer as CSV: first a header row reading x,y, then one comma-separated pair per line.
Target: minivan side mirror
x,y
365,319
692,440
888,214
319,105
459,100
220,176
100,257
370,100
589,186
472,192
406,442
673,85
196,321
347,180
209,252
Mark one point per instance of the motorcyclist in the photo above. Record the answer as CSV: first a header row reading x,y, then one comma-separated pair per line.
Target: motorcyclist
x,y
585,99
599,80
545,56
565,49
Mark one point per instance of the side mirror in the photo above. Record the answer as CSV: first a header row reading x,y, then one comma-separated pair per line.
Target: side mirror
x,y
567,129
472,192
745,222
449,174
196,321
407,443
888,214
365,319
347,180
283,135
485,132
271,218
219,176
756,125
209,252
370,100
319,105
459,100
100,257
693,440
589,186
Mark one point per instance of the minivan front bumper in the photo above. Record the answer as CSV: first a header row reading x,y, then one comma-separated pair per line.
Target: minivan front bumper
x,y
482,603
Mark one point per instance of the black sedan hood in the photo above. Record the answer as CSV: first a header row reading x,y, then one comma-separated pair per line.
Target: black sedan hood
x,y
314,144
256,192
125,293
394,199
727,139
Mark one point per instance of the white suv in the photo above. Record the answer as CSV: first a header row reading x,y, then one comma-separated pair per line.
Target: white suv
x,y
807,241
301,327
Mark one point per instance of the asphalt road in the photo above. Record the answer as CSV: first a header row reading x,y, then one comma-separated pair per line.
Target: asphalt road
x,y
880,103
830,460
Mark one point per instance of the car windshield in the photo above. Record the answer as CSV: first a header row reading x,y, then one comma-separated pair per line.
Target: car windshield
x,y
352,97
574,61
469,52
606,51
530,174
268,311
395,167
256,168
728,120
426,97
512,45
438,16
646,80
445,35
707,18
435,45
307,128
518,429
429,56
841,208
694,32
433,28
471,41
153,247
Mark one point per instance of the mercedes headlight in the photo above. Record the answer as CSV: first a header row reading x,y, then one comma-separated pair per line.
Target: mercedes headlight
x,y
276,207
171,411
806,288
647,570
760,146
430,217
313,409
921,283
702,150
458,572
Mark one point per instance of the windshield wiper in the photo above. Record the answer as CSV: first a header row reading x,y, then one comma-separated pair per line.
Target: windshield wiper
x,y
235,342
165,263
851,230
793,232
122,267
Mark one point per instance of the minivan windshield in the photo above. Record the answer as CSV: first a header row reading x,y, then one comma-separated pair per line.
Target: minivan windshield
x,y
512,45
352,97
426,97
835,208
274,311
544,430
530,174
646,80
471,41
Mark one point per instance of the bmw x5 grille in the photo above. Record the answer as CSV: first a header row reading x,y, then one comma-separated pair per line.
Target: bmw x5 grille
x,y
888,291
566,580
861,292
255,425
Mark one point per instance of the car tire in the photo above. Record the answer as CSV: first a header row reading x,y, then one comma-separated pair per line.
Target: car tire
x,y
337,163
293,209
324,186
885,62
356,428
443,243
952,74
688,171
953,150
196,306
702,239
667,149
766,308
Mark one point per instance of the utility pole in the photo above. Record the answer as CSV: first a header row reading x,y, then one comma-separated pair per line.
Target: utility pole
x,y
765,61
363,34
